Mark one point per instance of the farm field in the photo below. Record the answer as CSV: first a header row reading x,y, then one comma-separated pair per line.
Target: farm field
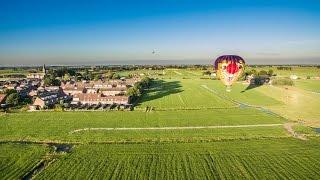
x,y
42,126
180,94
286,158
188,93
299,105
16,160
308,85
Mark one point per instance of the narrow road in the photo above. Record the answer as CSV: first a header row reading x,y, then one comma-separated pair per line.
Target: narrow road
x,y
175,128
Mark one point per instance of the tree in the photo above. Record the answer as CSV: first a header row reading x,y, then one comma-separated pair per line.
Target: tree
x,y
133,92
115,76
66,77
10,91
78,77
47,81
56,82
270,72
71,72
51,81
13,99
206,73
97,77
254,72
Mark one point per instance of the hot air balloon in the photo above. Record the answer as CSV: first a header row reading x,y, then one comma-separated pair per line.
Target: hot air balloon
x,y
229,68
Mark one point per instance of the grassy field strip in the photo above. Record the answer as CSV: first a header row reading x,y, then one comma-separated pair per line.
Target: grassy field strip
x,y
224,97
175,128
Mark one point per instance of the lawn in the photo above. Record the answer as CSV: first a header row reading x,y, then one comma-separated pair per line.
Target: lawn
x,y
285,158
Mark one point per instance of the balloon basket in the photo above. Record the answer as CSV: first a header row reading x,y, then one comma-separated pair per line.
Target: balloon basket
x,y
228,89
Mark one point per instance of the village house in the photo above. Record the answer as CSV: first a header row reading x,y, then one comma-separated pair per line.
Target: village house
x,y
72,89
36,75
48,97
13,85
2,99
99,99
23,90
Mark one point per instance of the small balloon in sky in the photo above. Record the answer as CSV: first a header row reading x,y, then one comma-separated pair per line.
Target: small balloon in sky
x,y
229,68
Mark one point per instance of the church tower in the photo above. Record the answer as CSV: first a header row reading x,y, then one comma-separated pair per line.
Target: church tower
x,y
44,69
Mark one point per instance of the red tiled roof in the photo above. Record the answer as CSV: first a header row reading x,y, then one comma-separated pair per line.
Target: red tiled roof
x,y
99,97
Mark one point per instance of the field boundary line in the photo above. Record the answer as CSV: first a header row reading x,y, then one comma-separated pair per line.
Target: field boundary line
x,y
175,128
177,73
241,104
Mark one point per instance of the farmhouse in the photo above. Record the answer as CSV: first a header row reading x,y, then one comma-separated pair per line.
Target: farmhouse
x,y
99,98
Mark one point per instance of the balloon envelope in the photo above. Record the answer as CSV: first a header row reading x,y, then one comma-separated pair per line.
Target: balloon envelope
x,y
229,68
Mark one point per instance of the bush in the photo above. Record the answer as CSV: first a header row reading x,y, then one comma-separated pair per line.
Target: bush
x,y
282,82
58,108
262,73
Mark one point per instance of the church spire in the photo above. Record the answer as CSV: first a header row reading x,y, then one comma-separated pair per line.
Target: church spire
x,y
44,69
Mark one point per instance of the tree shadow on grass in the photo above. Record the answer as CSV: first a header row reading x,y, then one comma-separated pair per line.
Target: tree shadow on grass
x,y
159,89
251,86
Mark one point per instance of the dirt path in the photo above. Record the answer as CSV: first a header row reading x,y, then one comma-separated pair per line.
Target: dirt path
x,y
175,128
288,127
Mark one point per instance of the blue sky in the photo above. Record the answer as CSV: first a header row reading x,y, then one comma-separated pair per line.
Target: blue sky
x,y
58,32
